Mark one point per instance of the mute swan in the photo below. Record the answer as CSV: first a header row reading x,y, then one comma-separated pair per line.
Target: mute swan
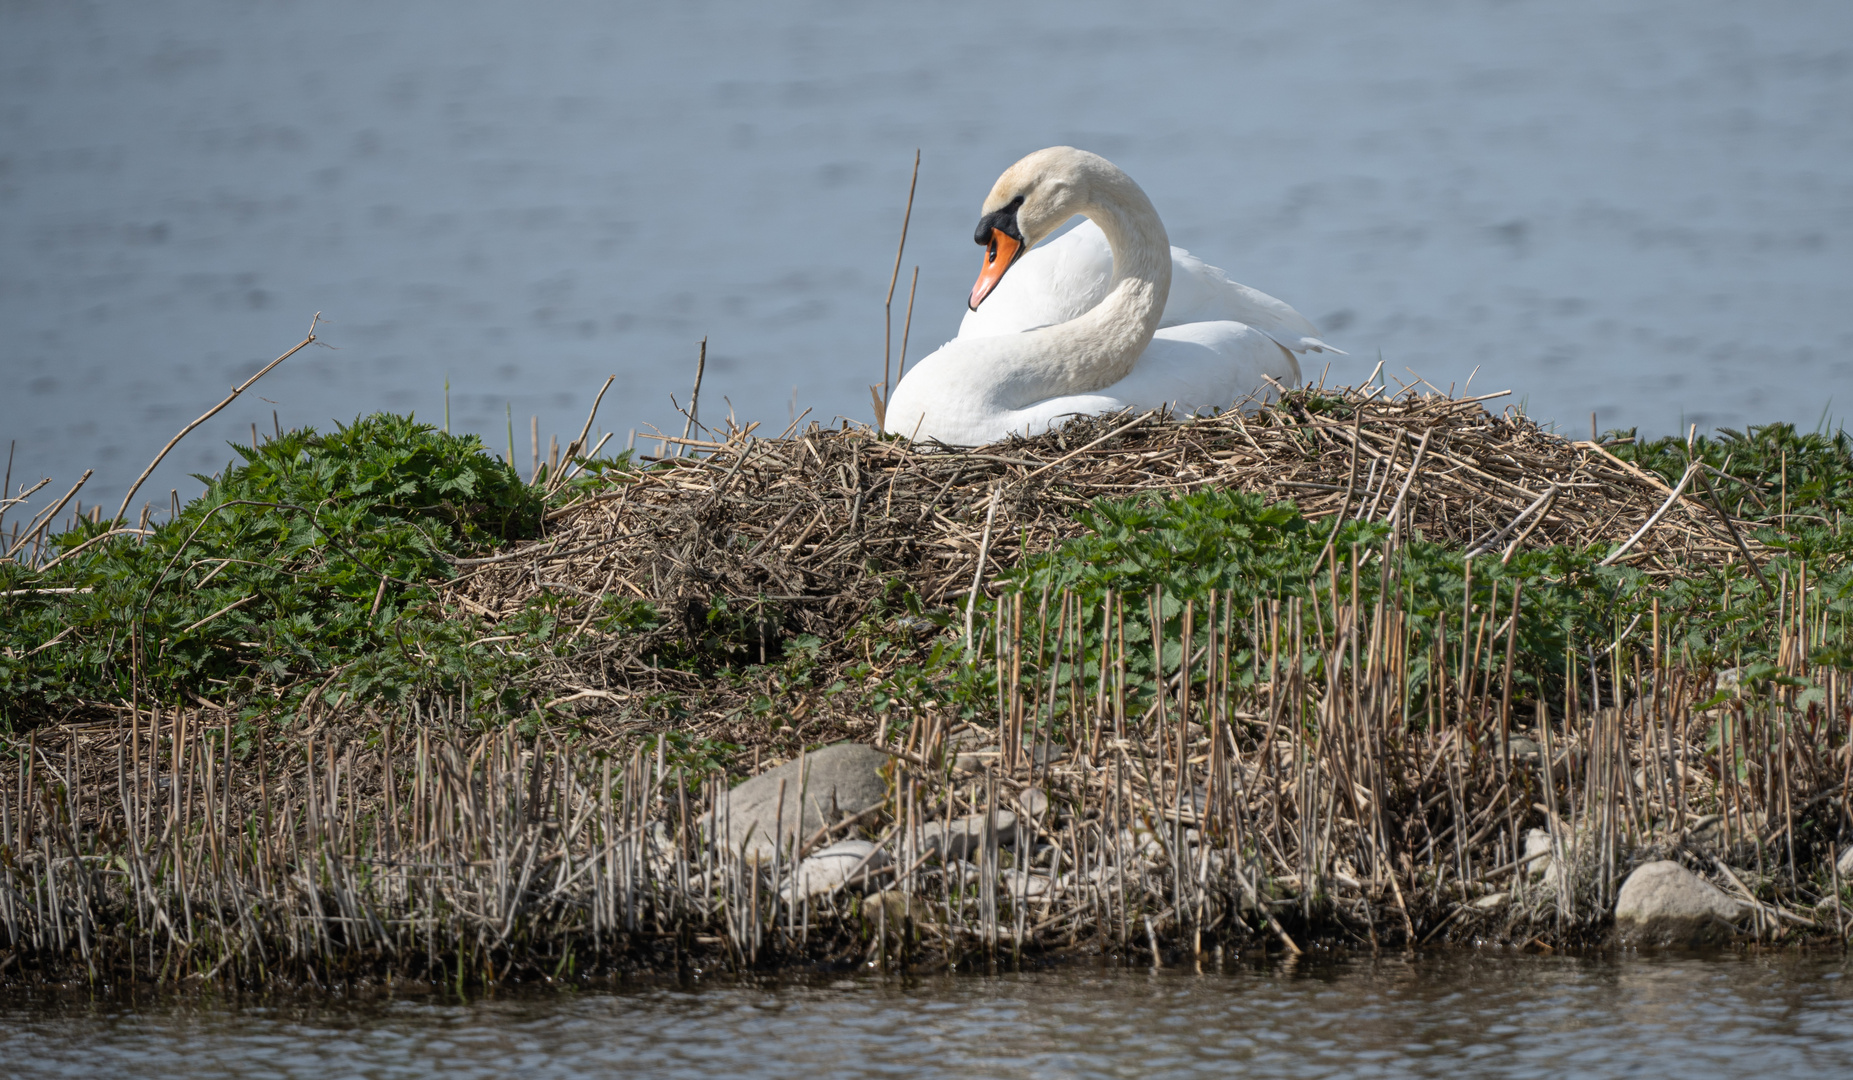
x,y
1107,317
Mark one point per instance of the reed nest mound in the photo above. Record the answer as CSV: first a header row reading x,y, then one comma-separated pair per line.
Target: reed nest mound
x,y
803,534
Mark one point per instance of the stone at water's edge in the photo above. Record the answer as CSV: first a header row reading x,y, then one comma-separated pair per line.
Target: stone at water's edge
x,y
1540,860
846,862
1663,903
964,837
840,781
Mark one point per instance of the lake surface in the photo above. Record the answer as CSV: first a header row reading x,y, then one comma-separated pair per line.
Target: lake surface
x,y
1445,1015
1639,207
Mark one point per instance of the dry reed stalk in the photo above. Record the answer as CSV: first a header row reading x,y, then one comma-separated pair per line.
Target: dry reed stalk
x,y
209,414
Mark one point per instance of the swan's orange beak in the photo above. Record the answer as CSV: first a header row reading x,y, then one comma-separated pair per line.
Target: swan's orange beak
x,y
998,255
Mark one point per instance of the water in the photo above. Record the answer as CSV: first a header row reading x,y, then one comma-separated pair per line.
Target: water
x,y
1450,1015
1641,207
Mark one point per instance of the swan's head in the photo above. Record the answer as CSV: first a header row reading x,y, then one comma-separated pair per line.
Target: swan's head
x,y
1030,201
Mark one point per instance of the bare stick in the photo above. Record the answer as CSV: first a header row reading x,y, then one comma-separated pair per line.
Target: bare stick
x,y
587,429
86,545
1396,508
6,486
984,552
1664,507
22,496
1492,541
906,326
210,413
1529,529
694,399
49,517
1731,527
887,310
229,607
1122,429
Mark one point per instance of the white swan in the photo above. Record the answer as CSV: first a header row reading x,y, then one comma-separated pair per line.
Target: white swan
x,y
1108,317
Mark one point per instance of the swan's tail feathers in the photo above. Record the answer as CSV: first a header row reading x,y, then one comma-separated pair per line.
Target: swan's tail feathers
x,y
1305,343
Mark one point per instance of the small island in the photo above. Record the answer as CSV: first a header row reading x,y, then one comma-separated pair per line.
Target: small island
x,y
1364,669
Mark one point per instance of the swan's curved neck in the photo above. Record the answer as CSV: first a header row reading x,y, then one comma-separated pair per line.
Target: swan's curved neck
x,y
1100,347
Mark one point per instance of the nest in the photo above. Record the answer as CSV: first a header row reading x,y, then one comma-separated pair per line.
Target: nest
x,y
802,533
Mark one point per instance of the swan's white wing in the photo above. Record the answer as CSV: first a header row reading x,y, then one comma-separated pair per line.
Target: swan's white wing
x,y
1061,278
1203,293
1207,365
1192,368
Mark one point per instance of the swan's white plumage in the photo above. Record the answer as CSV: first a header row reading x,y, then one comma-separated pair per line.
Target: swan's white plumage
x,y
1104,318
1061,278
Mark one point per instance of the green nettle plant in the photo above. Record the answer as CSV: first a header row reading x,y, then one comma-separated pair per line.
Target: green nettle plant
x,y
317,556
1230,556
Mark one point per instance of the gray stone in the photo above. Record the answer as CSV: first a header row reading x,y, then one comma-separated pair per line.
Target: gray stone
x,y
840,781
1046,754
971,764
1541,862
963,838
897,909
1663,903
1707,833
846,862
1845,865
1026,886
1033,802
1538,856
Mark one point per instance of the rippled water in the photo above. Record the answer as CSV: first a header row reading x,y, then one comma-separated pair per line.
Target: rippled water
x,y
1452,1015
1643,207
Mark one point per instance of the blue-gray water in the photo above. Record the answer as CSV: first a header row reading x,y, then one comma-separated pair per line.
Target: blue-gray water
x,y
1642,207
1453,1015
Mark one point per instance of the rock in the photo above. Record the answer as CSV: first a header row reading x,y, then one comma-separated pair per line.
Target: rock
x,y
1491,901
1524,750
1672,774
1046,754
1707,833
1541,862
897,909
964,837
1028,886
1033,802
1663,903
846,862
1141,844
973,763
1537,852
1845,865
840,781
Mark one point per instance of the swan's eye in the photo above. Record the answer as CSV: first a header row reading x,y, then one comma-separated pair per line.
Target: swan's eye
x,y
991,255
